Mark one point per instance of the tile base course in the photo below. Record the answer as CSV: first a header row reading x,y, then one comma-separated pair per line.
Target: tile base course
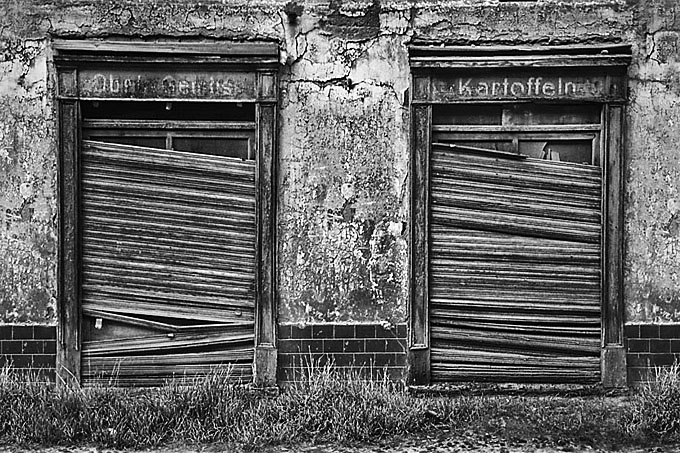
x,y
650,346
29,348
371,348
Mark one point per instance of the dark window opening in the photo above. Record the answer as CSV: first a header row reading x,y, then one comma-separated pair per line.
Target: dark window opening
x,y
557,132
219,129
179,110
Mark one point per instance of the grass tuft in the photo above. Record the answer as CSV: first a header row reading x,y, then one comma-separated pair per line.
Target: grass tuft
x,y
655,409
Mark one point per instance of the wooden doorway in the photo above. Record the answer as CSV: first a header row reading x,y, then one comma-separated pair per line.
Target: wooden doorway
x,y
515,235
168,240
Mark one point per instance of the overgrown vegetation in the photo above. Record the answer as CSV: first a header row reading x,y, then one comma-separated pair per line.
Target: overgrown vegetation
x,y
656,407
324,407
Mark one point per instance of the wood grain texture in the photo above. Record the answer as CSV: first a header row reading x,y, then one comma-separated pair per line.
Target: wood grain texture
x,y
68,329
418,339
514,269
265,270
168,264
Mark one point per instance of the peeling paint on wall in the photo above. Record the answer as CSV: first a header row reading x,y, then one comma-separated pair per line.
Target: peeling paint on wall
x,y
652,211
27,186
343,176
342,229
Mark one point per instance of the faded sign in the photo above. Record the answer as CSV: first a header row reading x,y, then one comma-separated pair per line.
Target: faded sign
x,y
106,84
451,89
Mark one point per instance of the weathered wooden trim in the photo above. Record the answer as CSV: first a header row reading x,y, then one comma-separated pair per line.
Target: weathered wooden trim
x,y
68,329
168,124
421,88
523,128
67,84
430,49
423,56
169,47
613,360
614,368
418,338
266,87
265,293
198,64
543,61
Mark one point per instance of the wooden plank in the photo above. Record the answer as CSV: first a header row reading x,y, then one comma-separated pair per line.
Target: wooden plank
x,y
452,246
225,48
197,312
495,203
537,167
518,305
178,261
266,131
545,174
152,296
518,61
127,280
525,180
455,313
131,320
418,341
550,195
232,200
453,147
68,327
566,49
105,222
265,367
179,340
118,153
99,243
441,267
614,246
517,341
524,225
591,330
226,128
466,356
481,373
161,270
164,213
514,300
176,178
489,130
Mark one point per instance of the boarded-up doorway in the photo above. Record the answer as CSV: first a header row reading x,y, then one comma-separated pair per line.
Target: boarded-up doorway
x,y
168,238
515,243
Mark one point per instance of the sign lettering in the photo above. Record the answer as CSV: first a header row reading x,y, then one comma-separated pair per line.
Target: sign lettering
x,y
514,87
175,85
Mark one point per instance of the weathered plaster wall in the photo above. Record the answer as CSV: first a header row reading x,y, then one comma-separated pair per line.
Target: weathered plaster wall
x,y
27,184
653,180
343,167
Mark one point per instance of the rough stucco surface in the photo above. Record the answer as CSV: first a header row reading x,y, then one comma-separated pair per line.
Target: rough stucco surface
x,y
27,185
652,199
343,166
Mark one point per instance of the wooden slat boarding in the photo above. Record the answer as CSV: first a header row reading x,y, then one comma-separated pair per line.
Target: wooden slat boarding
x,y
168,264
515,269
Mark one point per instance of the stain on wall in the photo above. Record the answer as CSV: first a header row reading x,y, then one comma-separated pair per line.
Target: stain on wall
x,y
343,166
27,185
652,199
